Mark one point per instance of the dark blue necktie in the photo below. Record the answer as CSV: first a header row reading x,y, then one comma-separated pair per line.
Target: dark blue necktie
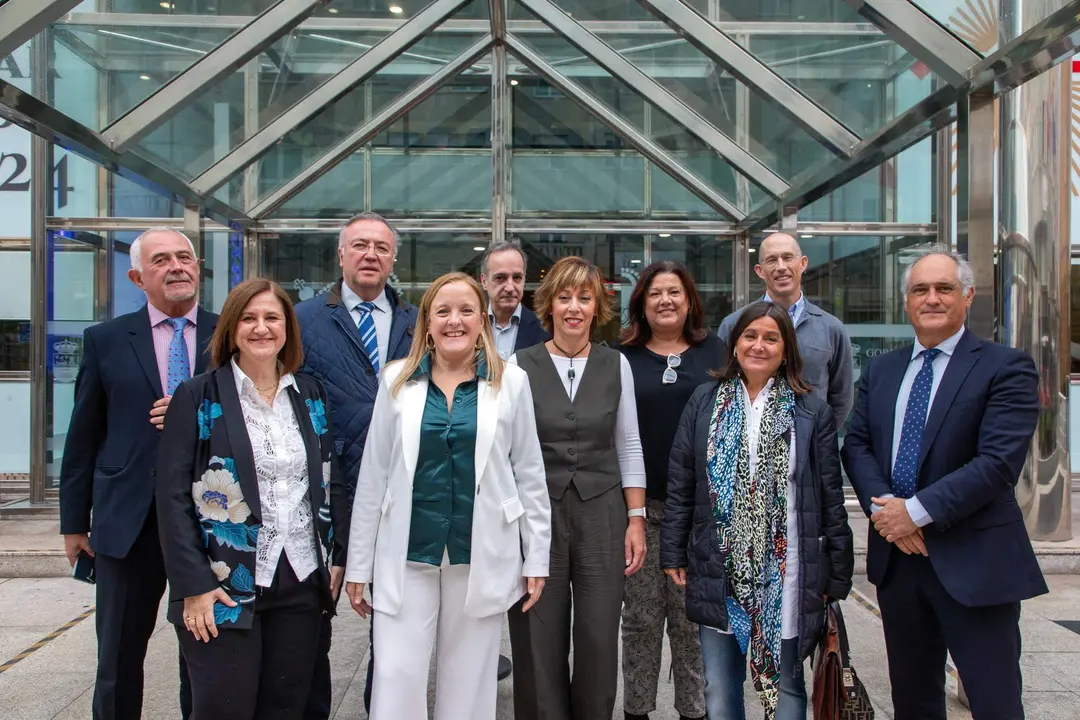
x,y
179,363
907,456
368,337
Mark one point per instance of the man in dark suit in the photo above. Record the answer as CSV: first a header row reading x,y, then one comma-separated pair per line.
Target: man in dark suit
x,y
130,367
349,334
502,273
935,446
515,327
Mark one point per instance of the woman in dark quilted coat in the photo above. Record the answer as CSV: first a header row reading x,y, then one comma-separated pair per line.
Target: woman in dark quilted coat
x,y
754,522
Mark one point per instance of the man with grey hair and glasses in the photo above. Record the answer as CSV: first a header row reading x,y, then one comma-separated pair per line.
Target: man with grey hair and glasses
x,y
937,440
823,342
130,367
502,273
350,333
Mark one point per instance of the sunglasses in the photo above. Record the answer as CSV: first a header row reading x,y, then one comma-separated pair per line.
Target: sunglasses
x,y
670,376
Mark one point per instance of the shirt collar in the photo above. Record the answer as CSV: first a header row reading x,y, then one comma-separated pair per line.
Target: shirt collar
x,y
515,319
794,309
351,299
424,369
243,382
157,317
763,394
946,346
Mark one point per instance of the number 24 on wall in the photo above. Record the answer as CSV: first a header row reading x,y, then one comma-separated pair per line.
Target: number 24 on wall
x,y
13,166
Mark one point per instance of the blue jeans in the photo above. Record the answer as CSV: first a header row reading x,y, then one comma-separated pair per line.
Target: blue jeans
x,y
725,673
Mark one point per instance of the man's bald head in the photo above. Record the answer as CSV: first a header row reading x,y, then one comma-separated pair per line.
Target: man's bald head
x,y
781,265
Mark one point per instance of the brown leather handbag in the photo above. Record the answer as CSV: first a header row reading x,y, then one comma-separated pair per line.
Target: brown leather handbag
x,y
838,692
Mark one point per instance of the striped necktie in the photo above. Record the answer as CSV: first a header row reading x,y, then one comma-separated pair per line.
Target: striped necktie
x,y
368,338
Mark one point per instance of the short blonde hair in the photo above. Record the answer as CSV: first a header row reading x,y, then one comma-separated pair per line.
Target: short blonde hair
x,y
572,272
423,322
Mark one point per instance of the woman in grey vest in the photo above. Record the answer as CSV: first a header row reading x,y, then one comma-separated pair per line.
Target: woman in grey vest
x,y
583,396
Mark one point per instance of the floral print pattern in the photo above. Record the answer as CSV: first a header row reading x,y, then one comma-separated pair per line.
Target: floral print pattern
x,y
208,413
218,497
221,570
317,411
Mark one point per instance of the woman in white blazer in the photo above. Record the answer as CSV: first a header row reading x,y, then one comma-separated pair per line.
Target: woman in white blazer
x,y
451,519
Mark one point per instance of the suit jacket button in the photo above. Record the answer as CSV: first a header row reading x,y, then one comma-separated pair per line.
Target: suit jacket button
x,y
153,472
572,451
570,416
370,371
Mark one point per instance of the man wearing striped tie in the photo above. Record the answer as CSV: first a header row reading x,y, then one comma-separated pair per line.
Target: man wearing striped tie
x,y
823,342
130,367
349,334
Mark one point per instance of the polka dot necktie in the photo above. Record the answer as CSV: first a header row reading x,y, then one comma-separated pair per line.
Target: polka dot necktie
x,y
907,456
368,338
179,362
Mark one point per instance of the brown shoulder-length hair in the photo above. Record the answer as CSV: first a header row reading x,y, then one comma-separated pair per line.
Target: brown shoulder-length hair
x,y
569,273
420,346
790,366
223,343
639,332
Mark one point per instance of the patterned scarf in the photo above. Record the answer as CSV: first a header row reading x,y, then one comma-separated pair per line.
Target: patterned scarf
x,y
751,511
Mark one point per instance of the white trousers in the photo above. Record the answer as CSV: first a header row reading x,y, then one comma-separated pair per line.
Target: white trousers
x,y
432,612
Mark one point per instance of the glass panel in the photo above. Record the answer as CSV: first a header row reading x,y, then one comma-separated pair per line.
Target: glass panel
x,y
1074,324
901,190
544,118
669,197
833,11
339,9
709,260
339,193
457,115
976,21
431,181
590,10
576,182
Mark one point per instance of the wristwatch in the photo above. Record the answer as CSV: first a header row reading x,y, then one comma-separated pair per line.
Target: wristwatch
x,y
636,512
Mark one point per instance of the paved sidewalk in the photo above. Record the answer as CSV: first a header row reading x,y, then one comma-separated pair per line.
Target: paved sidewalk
x,y
56,680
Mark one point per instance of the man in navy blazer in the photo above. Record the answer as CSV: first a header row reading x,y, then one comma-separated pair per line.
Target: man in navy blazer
x,y
128,368
502,273
935,446
334,326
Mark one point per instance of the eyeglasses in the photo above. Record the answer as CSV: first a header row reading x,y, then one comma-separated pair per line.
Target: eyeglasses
x,y
670,376
381,249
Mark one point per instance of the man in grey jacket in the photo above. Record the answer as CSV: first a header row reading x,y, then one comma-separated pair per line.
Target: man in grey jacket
x,y
823,343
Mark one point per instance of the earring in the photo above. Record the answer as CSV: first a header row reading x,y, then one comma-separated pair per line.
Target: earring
x,y
430,342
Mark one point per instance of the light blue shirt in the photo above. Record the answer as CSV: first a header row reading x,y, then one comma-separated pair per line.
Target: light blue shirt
x,y
382,317
505,335
795,311
947,347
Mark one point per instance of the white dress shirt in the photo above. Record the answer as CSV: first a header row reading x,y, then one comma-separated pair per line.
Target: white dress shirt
x,y
947,347
627,435
383,315
789,595
281,467
505,335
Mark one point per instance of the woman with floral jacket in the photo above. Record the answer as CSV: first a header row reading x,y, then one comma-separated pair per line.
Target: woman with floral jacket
x,y
243,474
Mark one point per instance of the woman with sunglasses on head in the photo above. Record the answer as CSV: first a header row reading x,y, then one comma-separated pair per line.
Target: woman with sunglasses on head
x,y
670,354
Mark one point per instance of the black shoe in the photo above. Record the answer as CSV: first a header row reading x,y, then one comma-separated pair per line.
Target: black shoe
x,y
505,667
632,716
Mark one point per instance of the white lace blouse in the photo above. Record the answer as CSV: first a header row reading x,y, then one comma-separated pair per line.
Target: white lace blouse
x,y
281,467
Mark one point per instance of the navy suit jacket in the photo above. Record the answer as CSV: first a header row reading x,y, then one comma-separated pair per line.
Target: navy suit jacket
x,y
973,449
530,331
110,453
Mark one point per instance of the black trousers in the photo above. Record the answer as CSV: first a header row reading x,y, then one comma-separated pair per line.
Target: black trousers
x,y
128,591
263,672
922,621
321,694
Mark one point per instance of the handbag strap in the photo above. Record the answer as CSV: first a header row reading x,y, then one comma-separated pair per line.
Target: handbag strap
x,y
847,674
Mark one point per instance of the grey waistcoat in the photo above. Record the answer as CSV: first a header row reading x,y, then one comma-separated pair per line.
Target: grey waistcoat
x,y
577,438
